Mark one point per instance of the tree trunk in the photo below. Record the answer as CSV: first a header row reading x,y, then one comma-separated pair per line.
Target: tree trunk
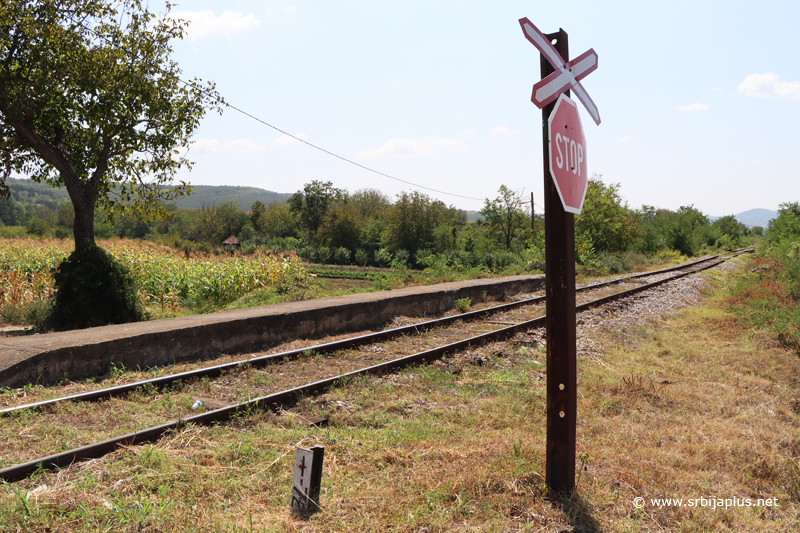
x,y
83,202
84,222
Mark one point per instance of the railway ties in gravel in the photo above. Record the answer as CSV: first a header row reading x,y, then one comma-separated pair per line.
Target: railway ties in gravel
x,y
290,396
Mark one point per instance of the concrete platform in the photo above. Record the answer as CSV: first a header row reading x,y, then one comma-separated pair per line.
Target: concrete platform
x,y
48,358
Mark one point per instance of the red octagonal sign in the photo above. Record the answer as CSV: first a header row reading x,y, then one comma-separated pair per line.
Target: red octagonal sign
x,y
567,154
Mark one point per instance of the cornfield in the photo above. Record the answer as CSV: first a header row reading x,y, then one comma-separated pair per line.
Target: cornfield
x,y
162,276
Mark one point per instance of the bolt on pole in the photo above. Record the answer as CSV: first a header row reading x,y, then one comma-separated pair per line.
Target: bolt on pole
x,y
560,305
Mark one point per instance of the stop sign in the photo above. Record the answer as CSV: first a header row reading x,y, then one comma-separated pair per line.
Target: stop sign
x,y
567,154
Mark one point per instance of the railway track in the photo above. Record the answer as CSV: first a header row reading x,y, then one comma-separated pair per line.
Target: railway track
x,y
362,355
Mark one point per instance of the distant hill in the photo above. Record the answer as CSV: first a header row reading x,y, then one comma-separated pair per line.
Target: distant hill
x,y
30,192
245,197
756,217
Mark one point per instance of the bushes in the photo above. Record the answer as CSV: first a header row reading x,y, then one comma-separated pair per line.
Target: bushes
x,y
323,255
362,257
341,256
383,258
93,289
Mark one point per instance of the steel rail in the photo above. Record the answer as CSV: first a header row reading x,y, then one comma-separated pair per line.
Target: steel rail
x,y
291,396
217,370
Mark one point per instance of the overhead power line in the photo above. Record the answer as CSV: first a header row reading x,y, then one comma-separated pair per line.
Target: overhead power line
x,y
344,158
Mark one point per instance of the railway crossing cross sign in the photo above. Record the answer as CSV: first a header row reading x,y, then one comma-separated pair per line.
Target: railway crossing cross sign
x,y
567,75
568,154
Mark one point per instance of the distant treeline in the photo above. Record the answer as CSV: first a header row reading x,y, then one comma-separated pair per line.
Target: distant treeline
x,y
325,224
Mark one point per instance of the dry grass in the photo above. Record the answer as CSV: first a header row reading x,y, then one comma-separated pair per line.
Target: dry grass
x,y
696,406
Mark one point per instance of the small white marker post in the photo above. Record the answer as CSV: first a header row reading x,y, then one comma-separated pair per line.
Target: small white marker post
x,y
307,480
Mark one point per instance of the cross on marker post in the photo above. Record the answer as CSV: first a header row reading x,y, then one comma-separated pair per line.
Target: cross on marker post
x,y
307,480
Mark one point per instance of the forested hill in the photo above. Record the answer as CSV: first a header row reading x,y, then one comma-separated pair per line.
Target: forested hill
x,y
245,197
30,192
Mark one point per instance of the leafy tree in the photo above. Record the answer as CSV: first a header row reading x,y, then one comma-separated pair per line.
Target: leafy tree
x,y
65,215
175,223
505,215
257,211
412,220
730,228
606,219
12,213
654,223
370,203
278,220
787,225
341,228
37,226
131,226
313,201
90,100
683,230
216,223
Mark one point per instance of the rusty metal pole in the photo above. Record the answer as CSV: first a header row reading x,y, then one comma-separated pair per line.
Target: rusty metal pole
x,y
559,227
533,217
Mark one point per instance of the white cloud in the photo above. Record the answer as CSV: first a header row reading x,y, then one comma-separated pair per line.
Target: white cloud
x,y
716,89
243,146
204,147
288,9
693,107
286,140
502,129
413,147
205,23
768,85
626,138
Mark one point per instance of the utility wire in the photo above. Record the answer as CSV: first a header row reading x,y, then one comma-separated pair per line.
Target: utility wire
x,y
344,158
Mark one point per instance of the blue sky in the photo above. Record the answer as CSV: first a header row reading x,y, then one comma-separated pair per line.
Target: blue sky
x,y
700,101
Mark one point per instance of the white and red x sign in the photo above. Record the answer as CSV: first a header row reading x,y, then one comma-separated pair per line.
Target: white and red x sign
x,y
567,76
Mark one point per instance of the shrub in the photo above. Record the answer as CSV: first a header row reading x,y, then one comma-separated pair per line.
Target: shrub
x,y
34,312
421,256
463,304
37,226
489,260
61,233
323,255
401,257
610,262
469,259
668,255
534,257
341,256
284,244
93,289
307,254
382,258
361,257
